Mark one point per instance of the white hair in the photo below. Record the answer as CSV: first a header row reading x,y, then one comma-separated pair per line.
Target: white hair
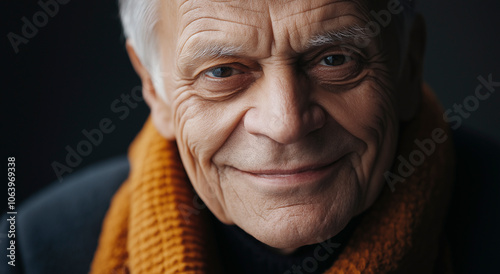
x,y
140,19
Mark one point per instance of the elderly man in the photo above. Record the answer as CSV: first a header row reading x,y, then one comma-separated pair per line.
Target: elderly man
x,y
287,116
284,137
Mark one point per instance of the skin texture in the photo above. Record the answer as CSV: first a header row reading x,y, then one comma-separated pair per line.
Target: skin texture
x,y
286,144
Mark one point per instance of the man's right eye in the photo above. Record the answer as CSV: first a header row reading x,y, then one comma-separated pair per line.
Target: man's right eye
x,y
223,80
222,72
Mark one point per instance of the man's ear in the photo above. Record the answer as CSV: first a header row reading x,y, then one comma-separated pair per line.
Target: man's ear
x,y
160,110
412,75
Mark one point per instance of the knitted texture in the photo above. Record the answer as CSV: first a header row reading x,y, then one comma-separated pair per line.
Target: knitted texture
x,y
154,226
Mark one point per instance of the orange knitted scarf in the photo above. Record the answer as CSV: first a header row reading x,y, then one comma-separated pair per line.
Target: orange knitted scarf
x,y
153,225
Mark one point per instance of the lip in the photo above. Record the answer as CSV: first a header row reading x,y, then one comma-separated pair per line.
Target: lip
x,y
288,178
287,172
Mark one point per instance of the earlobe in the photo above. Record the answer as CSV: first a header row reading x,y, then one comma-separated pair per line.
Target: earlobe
x,y
412,76
160,110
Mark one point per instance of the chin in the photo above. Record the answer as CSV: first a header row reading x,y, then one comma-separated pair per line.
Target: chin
x,y
296,226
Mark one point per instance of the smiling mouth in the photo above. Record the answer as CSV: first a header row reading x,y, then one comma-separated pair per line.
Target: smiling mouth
x,y
307,175
288,172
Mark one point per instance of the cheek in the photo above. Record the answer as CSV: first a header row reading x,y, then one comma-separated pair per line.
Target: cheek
x,y
202,127
365,111
368,112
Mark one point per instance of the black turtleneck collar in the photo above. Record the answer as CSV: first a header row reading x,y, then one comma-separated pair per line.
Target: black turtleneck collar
x,y
241,253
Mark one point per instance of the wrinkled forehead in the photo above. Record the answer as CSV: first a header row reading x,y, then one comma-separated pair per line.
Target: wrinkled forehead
x,y
270,11
278,24
194,31
262,28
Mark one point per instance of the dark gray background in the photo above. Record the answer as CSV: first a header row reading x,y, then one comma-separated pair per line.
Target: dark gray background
x,y
65,79
462,44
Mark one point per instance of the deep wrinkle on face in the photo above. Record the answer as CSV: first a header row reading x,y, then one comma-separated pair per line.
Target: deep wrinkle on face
x,y
292,141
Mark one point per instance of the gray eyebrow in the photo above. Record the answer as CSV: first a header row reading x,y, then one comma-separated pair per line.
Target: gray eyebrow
x,y
348,34
206,52
215,51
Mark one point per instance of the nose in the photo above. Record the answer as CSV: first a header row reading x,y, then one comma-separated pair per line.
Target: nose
x,y
283,110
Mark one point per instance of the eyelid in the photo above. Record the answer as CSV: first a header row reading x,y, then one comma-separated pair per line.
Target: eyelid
x,y
235,71
348,58
336,75
235,66
316,56
222,88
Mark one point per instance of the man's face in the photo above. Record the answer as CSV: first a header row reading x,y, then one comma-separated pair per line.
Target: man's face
x,y
284,128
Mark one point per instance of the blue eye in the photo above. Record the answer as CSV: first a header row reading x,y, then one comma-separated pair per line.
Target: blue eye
x,y
222,72
335,60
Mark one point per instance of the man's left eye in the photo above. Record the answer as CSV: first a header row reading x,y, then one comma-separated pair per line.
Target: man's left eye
x,y
222,72
335,60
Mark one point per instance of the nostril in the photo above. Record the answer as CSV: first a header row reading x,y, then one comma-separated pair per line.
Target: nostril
x,y
314,119
317,117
